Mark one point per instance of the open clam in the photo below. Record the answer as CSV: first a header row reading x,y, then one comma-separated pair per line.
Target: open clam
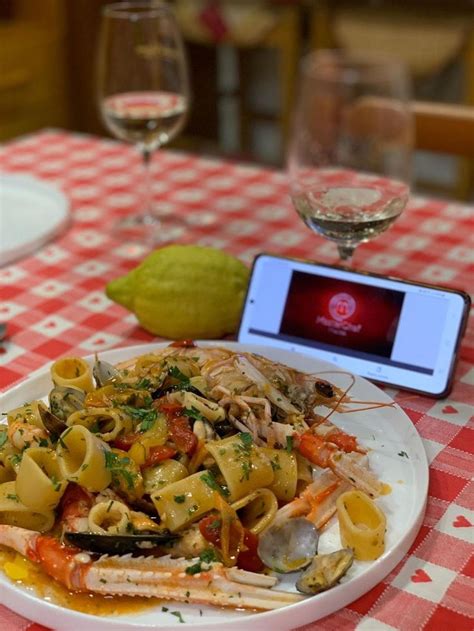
x,y
325,571
64,400
52,423
289,546
104,372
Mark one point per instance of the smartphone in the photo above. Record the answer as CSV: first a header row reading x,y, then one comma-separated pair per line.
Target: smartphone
x,y
391,331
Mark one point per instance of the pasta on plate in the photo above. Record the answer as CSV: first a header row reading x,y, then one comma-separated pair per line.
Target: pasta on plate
x,y
202,472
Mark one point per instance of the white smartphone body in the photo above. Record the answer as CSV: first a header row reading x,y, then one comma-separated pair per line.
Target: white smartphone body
x,y
389,330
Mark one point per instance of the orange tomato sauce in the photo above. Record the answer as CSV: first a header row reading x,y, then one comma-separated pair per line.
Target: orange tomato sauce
x,y
48,589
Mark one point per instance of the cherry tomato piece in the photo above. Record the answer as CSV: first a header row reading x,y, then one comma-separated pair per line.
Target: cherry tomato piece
x,y
248,558
210,528
183,344
157,454
125,442
181,434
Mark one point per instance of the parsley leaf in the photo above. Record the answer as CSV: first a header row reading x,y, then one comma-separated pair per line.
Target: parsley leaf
x,y
175,372
143,384
147,417
178,615
179,499
119,467
3,438
289,444
207,556
193,413
208,478
246,439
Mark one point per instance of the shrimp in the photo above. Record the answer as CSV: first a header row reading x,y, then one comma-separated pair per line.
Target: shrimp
x,y
23,435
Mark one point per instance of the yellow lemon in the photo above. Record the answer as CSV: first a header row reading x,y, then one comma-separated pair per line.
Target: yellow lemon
x,y
184,291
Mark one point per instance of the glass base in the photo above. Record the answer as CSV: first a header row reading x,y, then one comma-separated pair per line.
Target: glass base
x,y
149,229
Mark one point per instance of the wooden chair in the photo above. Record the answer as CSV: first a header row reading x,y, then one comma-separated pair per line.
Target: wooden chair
x,y
444,128
427,41
263,26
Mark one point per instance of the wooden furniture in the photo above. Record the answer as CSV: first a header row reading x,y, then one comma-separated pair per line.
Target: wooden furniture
x,y
248,27
444,128
33,91
426,40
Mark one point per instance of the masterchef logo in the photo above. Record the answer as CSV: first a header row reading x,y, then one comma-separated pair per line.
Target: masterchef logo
x,y
341,307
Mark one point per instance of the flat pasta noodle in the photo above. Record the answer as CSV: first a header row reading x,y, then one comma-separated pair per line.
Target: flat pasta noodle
x,y
160,476
243,466
182,502
285,473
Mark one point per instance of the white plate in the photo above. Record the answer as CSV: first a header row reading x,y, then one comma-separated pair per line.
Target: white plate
x,y
31,213
386,431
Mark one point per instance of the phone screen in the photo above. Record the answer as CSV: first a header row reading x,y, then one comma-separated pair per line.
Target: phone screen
x,y
384,329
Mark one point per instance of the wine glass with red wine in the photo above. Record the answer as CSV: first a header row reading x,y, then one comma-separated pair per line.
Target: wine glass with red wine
x,y
143,88
349,157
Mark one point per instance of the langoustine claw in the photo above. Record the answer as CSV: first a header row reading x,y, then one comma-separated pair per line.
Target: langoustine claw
x,y
163,577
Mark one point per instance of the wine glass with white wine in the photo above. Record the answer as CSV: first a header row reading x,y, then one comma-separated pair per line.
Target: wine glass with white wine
x,y
349,157
143,89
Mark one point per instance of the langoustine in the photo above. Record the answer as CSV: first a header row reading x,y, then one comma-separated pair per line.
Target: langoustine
x,y
162,577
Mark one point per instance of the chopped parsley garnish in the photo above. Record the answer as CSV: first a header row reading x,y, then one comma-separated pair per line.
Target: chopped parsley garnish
x,y
246,469
243,450
42,443
179,499
12,496
4,438
146,417
403,454
289,444
207,556
63,436
208,478
16,459
246,439
178,615
175,372
275,464
143,384
119,468
193,413
56,484
164,609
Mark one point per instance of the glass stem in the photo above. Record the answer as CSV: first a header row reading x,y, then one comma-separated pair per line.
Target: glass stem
x,y
147,196
346,252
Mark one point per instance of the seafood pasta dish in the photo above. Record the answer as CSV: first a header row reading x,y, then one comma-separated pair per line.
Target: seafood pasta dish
x,y
192,474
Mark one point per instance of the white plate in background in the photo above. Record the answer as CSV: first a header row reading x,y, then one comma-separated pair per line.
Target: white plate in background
x,y
396,455
32,212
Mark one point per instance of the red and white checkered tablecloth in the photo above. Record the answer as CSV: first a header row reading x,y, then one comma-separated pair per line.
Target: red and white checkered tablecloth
x,y
54,304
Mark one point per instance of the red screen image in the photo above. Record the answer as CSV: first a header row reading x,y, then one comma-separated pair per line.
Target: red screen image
x,y
341,313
